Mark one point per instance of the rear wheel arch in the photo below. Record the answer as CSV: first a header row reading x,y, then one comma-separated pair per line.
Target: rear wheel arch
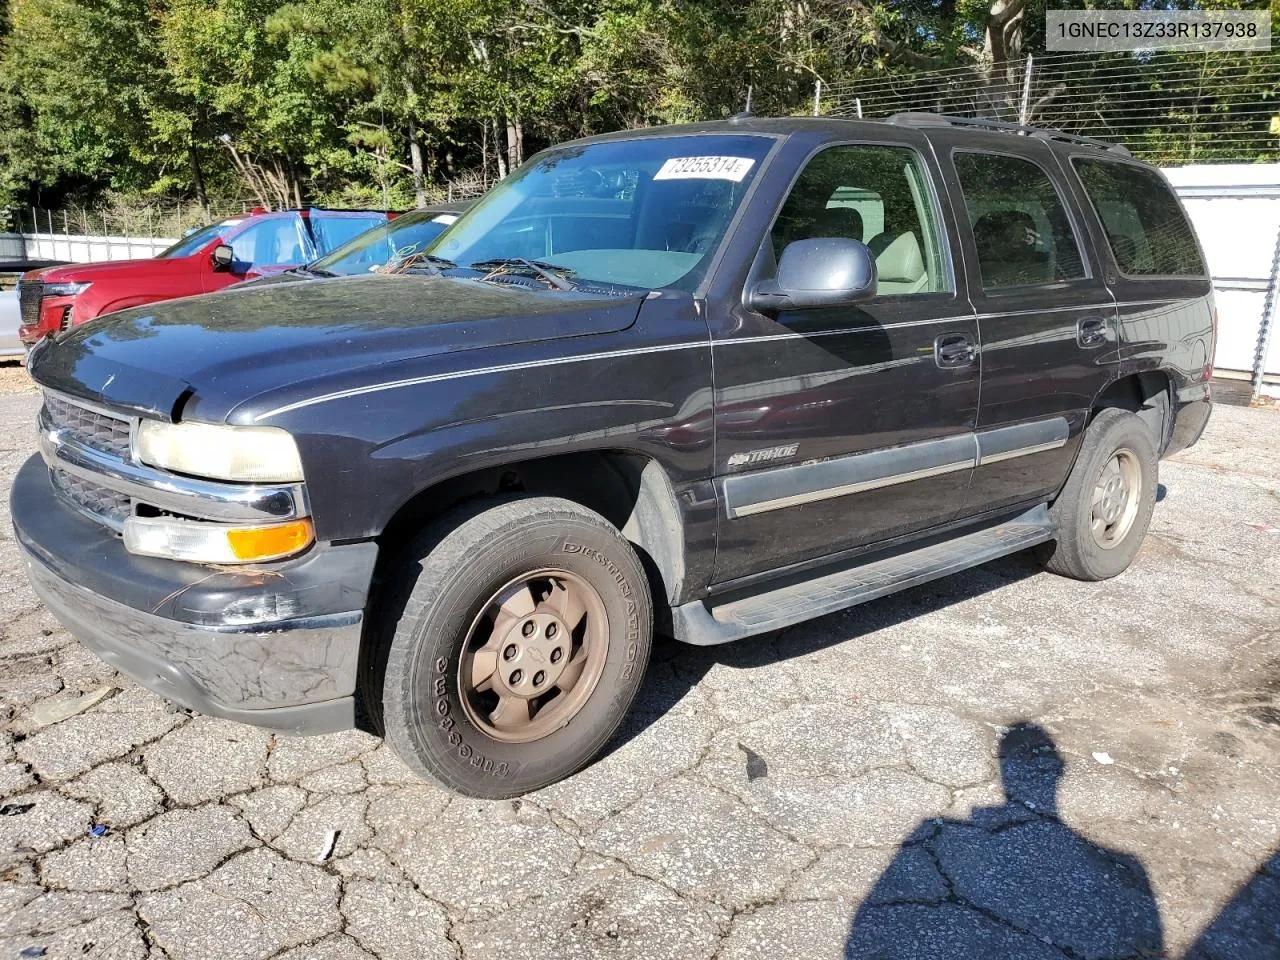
x,y
1149,395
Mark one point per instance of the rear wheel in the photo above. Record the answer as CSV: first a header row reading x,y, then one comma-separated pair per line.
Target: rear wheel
x,y
521,636
1103,511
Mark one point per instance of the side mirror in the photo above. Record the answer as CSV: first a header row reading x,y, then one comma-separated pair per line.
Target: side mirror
x,y
823,272
222,258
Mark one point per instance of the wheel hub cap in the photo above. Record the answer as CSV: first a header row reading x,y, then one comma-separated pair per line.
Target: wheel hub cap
x,y
1116,498
533,656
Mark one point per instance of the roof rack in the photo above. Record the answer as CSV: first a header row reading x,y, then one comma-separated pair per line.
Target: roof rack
x,y
922,119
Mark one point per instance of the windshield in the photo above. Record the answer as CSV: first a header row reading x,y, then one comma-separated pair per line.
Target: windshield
x,y
392,241
646,213
193,242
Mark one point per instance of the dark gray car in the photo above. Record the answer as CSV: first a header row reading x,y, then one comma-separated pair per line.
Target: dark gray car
x,y
710,380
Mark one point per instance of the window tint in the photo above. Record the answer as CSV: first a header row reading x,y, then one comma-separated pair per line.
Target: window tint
x,y
1146,228
877,195
1020,226
271,242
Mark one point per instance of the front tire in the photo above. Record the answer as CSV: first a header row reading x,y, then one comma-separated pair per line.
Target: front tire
x,y
523,635
1105,507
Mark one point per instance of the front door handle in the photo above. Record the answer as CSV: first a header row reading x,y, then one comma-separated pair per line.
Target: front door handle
x,y
1091,332
954,350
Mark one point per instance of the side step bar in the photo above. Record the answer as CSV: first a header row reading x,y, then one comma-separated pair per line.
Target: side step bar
x,y
765,612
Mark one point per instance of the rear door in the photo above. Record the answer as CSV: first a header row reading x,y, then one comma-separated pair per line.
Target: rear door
x,y
1153,265
845,426
1045,317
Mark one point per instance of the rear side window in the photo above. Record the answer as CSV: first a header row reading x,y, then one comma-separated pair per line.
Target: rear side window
x,y
1148,233
1019,223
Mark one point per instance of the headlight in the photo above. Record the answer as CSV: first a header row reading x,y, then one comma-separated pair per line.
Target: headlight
x,y
220,452
200,542
64,289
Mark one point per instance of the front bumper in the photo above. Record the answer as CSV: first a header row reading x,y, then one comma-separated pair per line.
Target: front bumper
x,y
276,646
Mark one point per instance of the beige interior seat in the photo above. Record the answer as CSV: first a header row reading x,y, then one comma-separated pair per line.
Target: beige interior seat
x,y
899,263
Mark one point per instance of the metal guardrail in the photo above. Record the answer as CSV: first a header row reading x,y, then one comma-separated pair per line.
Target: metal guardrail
x,y
79,248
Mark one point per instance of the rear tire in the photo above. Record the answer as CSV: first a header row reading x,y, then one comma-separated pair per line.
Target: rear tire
x,y
1103,511
520,639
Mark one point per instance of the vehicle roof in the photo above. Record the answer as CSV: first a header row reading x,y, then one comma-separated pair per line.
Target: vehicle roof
x,y
842,128
304,212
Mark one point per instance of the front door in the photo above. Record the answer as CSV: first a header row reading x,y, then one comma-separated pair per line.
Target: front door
x,y
274,241
841,427
1046,318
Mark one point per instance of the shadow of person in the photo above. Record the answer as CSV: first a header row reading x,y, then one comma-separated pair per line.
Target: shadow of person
x,y
1011,882
1248,926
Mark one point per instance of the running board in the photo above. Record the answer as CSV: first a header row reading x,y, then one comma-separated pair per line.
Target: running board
x,y
765,612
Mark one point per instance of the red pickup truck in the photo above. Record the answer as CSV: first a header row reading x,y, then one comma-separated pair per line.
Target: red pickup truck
x,y
216,256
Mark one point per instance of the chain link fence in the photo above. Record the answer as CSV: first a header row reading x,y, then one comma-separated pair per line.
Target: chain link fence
x,y
1167,108
124,220
171,220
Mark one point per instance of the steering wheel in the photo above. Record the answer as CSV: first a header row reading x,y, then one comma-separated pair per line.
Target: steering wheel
x,y
701,243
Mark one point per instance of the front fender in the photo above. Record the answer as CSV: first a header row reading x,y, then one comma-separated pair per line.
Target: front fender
x,y
92,312
645,390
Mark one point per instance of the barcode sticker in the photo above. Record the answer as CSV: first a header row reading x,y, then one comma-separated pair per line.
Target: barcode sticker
x,y
705,168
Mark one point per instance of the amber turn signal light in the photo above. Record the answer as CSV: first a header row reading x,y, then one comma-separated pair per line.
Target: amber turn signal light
x,y
260,543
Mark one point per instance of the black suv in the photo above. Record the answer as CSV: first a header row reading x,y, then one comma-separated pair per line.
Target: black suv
x,y
711,380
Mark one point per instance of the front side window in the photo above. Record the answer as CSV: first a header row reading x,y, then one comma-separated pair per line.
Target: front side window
x,y
1148,233
271,242
648,212
1020,226
196,240
876,195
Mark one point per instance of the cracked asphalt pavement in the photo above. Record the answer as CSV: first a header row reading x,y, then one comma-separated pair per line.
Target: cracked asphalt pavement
x,y
1000,764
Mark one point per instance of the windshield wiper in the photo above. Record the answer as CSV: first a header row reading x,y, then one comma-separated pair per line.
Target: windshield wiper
x,y
422,261
315,272
559,277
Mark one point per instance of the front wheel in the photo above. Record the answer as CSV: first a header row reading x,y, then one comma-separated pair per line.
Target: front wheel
x,y
1104,509
522,640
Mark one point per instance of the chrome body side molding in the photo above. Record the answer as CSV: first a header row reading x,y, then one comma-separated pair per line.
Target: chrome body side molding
x,y
789,486
1022,439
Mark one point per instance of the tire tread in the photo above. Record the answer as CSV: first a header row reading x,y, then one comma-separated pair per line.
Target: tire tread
x,y
427,564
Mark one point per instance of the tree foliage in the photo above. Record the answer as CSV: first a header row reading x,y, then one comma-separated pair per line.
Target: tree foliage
x,y
382,101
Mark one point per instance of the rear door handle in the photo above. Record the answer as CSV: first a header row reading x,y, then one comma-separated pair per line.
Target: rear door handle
x,y
953,350
1091,332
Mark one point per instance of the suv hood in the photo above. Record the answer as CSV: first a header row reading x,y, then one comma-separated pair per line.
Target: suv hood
x,y
203,356
113,269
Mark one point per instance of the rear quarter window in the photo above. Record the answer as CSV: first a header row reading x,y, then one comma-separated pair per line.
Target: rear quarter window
x,y
1146,229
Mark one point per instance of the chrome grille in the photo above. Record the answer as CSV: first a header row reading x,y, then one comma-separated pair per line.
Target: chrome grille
x,y
89,427
29,294
105,505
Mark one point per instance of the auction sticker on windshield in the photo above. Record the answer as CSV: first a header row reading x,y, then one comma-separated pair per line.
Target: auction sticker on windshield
x,y
705,168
